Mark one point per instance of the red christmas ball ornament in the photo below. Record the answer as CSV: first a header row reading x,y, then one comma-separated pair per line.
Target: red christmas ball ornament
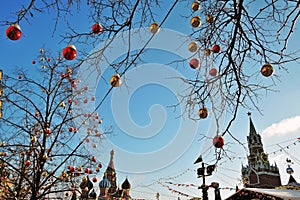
x,y
85,100
93,98
69,53
213,72
20,76
100,165
71,168
97,28
27,163
194,63
218,141
70,101
74,85
216,49
94,179
33,62
94,159
48,131
71,129
14,32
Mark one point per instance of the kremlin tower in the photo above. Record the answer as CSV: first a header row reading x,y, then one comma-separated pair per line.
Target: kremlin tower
x,y
259,173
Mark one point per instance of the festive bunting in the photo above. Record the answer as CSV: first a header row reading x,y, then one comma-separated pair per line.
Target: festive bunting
x,y
176,191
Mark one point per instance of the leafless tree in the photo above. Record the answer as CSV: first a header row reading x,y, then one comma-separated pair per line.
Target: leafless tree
x,y
248,35
41,151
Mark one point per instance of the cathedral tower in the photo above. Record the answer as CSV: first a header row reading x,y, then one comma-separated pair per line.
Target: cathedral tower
x,y
259,173
111,174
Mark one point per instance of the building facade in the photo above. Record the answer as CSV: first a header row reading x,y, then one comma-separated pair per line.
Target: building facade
x,y
259,173
107,186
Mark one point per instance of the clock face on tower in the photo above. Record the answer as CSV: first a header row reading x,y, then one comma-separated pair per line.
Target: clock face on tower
x,y
264,157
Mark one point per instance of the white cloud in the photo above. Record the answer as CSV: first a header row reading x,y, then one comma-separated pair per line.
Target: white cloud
x,y
286,126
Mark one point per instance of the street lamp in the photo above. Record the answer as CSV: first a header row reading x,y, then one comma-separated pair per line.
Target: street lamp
x,y
201,173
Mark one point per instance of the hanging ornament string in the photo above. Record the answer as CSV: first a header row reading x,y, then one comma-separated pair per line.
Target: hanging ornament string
x,y
193,185
176,191
281,148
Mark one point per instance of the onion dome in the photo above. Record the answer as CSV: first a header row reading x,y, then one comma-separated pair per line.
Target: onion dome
x,y
126,185
289,170
93,194
104,183
86,182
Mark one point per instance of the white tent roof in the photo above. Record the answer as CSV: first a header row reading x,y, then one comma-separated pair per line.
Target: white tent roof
x,y
285,194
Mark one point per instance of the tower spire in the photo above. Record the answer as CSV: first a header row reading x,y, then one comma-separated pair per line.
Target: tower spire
x,y
111,161
252,128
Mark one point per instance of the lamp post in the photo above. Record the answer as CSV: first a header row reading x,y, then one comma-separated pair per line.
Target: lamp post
x,y
201,173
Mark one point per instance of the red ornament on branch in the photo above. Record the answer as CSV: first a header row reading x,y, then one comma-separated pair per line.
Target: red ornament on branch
x,y
216,49
218,141
97,28
94,179
213,72
69,53
14,32
194,63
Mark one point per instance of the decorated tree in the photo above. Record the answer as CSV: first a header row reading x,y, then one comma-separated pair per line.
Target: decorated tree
x,y
41,151
235,50
232,40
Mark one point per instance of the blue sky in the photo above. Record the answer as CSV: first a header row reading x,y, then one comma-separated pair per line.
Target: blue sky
x,y
147,144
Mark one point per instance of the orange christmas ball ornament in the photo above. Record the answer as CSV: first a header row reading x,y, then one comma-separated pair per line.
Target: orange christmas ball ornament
x,y
203,113
193,47
210,19
218,141
97,169
194,63
196,22
69,53
154,28
207,52
115,80
267,70
195,6
97,28
14,32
